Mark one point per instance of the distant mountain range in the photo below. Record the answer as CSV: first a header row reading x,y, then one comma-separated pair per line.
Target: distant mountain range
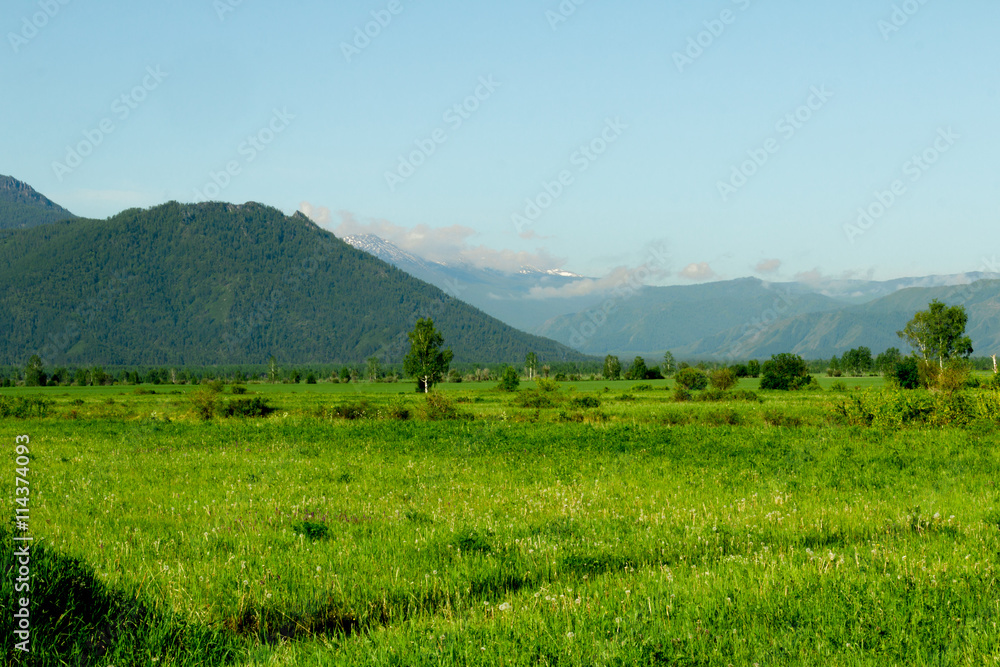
x,y
22,207
736,319
218,283
505,296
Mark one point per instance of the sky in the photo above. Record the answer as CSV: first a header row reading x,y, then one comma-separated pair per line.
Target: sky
x,y
723,139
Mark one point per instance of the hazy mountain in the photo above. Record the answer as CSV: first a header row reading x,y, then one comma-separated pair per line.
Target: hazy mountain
x,y
874,325
748,318
217,283
22,207
656,319
503,295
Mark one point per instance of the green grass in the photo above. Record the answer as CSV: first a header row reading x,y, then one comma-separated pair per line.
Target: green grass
x,y
642,531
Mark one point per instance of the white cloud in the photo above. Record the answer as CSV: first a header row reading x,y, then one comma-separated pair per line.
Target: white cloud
x,y
698,271
437,244
768,266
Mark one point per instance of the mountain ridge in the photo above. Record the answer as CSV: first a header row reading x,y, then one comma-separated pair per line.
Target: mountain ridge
x,y
22,207
218,283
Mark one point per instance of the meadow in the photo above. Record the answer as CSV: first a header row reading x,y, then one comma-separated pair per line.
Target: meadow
x,y
599,523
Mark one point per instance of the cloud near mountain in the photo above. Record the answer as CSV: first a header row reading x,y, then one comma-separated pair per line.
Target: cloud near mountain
x,y
450,245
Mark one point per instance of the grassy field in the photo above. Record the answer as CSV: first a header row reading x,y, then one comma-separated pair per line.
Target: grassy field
x,y
598,524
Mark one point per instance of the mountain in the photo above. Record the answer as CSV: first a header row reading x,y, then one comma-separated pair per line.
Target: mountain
x,y
655,319
509,297
874,325
748,318
22,207
218,283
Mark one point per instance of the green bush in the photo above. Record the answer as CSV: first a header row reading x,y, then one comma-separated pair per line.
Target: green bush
x,y
509,380
439,407
785,372
248,407
205,402
681,394
25,407
691,378
586,402
722,379
358,410
746,395
534,399
545,384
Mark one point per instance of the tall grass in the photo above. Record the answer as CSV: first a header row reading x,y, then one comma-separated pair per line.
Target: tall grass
x,y
709,532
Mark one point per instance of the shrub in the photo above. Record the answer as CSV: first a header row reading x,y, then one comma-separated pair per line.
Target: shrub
x,y
205,402
713,395
586,402
25,407
906,373
691,378
722,379
509,380
785,372
248,407
746,395
534,399
643,386
838,387
238,390
681,394
358,410
439,407
545,384
313,530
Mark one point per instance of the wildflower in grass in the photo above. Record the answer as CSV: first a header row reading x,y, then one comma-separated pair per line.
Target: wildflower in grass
x,y
504,607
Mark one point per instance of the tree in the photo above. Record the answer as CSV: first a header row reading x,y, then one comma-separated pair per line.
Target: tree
x,y
531,364
374,369
272,369
509,381
938,333
612,368
857,361
784,371
669,364
906,373
722,379
426,361
753,368
886,362
833,369
34,372
691,378
637,371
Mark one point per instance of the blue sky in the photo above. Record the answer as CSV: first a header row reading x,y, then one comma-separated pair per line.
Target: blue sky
x,y
607,129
